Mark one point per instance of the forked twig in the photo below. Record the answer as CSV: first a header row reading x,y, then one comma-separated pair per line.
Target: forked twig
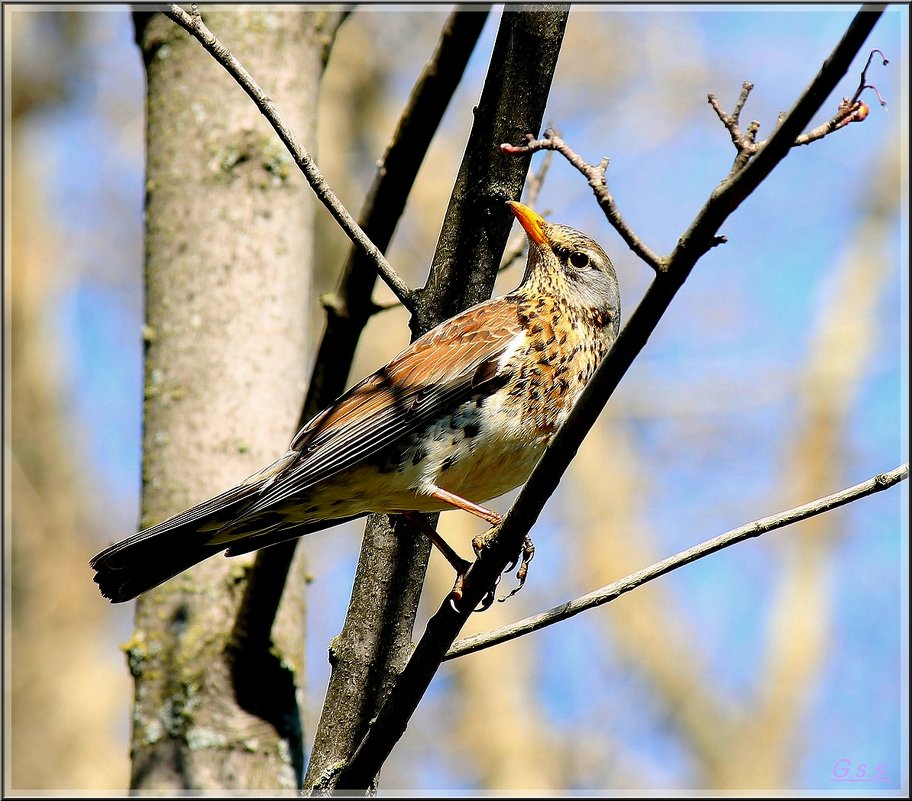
x,y
595,175
849,110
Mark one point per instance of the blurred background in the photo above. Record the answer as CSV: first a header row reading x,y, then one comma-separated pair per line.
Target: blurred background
x,y
779,375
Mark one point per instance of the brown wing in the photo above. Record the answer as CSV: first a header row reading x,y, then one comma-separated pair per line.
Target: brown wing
x,y
437,371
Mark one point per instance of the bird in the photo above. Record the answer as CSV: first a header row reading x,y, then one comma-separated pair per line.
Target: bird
x,y
460,416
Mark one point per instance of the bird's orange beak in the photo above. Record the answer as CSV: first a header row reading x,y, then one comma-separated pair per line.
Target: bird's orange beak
x,y
532,223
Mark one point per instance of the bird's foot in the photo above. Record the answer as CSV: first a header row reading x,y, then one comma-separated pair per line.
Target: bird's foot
x,y
457,591
460,565
528,553
461,569
483,541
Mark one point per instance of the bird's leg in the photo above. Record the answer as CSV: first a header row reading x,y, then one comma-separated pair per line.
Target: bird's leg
x,y
459,564
467,506
480,542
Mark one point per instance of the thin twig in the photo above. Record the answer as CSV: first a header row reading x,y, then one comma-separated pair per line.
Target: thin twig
x,y
732,121
614,590
863,81
516,247
850,110
193,24
848,113
746,88
745,144
595,175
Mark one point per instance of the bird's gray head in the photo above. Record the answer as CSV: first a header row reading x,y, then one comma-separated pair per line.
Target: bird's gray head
x,y
570,265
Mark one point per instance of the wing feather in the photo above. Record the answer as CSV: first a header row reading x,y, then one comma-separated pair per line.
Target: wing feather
x,y
433,374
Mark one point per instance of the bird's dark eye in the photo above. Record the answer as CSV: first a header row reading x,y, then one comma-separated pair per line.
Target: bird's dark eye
x,y
579,260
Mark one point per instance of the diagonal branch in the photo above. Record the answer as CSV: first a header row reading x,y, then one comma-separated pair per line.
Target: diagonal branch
x,y
700,237
193,24
614,590
446,623
735,188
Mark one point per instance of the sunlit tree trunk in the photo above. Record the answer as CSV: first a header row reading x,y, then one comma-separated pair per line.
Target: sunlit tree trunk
x,y
228,243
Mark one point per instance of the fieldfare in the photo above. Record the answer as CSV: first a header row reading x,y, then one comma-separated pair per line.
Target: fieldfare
x,y
460,416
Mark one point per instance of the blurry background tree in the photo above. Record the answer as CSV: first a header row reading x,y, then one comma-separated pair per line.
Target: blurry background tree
x,y
775,378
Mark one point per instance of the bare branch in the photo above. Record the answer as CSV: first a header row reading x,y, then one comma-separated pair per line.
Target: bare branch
x,y
595,175
193,24
614,590
463,273
850,110
737,186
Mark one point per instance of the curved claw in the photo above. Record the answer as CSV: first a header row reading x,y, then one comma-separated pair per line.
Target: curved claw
x,y
486,602
528,553
510,594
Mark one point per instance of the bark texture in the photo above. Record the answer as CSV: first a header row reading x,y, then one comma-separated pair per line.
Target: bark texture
x,y
228,238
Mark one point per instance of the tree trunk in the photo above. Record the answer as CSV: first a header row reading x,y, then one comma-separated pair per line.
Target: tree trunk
x,y
228,242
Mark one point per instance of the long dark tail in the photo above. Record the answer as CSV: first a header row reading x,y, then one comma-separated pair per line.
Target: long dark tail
x,y
145,560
